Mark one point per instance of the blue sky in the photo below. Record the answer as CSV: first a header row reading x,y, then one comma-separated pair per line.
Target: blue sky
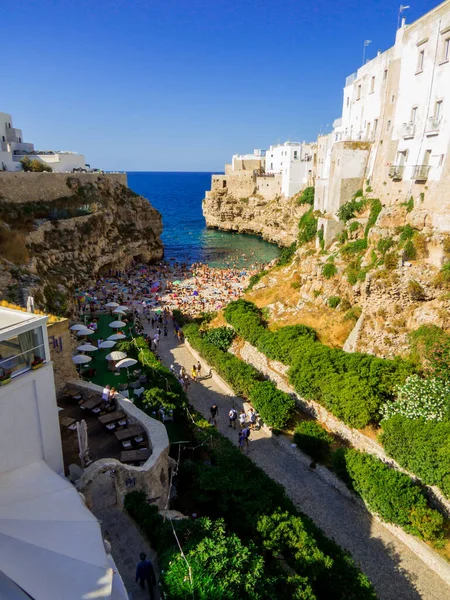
x,y
183,84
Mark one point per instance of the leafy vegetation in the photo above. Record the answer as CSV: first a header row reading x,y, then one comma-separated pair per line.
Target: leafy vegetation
x,y
350,209
419,398
375,209
313,439
334,301
256,278
329,270
220,337
430,347
307,196
35,165
286,255
307,227
274,406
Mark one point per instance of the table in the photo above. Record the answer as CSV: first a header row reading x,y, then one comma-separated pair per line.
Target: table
x,y
117,415
66,421
129,432
134,455
74,395
92,403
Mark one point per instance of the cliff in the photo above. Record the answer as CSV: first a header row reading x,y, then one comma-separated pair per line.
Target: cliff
x,y
58,232
276,220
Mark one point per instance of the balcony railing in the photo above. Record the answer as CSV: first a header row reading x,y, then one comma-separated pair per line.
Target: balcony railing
x,y
433,124
420,172
408,130
396,172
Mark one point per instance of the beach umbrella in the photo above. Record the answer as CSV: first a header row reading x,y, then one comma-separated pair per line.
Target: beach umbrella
x,y
120,312
126,363
78,327
195,293
116,336
87,348
85,331
116,355
81,359
177,282
82,442
107,344
122,308
112,305
117,324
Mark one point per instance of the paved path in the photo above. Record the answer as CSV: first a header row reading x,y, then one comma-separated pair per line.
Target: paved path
x,y
127,543
394,570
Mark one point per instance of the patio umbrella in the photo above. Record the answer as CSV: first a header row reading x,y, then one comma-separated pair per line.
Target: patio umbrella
x,y
78,327
107,344
85,331
116,355
126,363
117,324
82,442
112,305
81,359
87,348
122,308
120,312
116,336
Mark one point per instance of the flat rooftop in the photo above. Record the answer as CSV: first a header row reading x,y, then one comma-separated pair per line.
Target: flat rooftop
x,y
10,318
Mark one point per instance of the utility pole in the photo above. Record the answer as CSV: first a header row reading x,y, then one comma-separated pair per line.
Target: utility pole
x,y
400,10
366,43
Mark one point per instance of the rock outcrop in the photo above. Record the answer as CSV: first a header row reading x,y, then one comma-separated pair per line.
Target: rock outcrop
x,y
274,220
58,232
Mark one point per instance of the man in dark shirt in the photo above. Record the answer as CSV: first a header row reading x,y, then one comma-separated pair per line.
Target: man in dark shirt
x,y
145,573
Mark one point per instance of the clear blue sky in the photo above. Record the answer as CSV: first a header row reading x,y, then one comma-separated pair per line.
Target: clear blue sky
x,y
182,85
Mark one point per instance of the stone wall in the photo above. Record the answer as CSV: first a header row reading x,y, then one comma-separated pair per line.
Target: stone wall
x,y
268,187
107,481
35,187
61,353
276,372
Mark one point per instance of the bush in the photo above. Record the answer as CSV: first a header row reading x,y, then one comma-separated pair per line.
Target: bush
x,y
421,398
350,209
334,301
392,494
415,290
221,337
286,255
329,270
409,251
274,406
375,209
406,233
353,314
35,165
384,244
430,347
307,228
391,261
313,439
254,279
307,196
355,247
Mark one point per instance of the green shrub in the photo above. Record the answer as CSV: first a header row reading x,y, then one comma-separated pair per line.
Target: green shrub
x,y
254,279
307,228
392,494
274,406
430,347
375,209
354,226
390,261
329,270
35,165
415,290
422,447
355,247
406,233
385,244
353,314
409,204
345,305
334,301
321,238
307,196
313,439
221,337
286,255
350,209
419,398
409,251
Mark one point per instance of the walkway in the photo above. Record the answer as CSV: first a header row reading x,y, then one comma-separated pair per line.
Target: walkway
x,y
127,543
394,570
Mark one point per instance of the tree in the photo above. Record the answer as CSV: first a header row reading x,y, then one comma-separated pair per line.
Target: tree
x,y
35,165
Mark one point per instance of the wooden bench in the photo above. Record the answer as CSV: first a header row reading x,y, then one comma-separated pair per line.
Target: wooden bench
x,y
129,432
117,415
92,403
135,455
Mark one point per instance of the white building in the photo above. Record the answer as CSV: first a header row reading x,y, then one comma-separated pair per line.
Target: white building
x,y
395,125
293,160
50,544
13,150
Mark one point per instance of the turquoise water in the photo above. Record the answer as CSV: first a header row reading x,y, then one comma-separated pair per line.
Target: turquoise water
x,y
178,197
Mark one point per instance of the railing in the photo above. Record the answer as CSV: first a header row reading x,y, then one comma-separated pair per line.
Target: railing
x,y
21,362
420,172
433,124
396,172
408,130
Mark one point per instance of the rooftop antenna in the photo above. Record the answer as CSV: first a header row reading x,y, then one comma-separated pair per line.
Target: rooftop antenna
x,y
366,43
400,11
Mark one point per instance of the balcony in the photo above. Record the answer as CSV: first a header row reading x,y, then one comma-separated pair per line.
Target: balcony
x,y
433,124
420,172
396,172
408,130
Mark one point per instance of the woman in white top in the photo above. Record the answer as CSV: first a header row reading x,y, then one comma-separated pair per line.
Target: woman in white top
x,y
106,393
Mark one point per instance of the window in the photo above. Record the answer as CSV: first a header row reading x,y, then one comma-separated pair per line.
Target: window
x,y
385,74
426,157
446,50
388,126
372,85
295,153
3,138
438,110
420,61
19,352
358,97
413,114
393,98
402,158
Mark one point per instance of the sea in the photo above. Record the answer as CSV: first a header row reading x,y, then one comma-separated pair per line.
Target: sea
x,y
178,197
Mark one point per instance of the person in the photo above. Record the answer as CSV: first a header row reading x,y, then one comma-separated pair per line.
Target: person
x,y
252,418
232,416
194,372
146,573
242,418
106,393
214,410
246,434
241,441
199,368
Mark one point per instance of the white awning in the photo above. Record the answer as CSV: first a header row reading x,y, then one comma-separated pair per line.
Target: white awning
x,y
50,544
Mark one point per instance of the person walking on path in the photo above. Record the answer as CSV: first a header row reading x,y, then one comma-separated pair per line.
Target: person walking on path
x,y
241,441
146,573
199,368
194,372
214,410
232,416
242,418
246,435
252,418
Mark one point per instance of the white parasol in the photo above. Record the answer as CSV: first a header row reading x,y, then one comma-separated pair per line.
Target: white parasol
x,y
87,348
83,442
85,331
116,355
81,359
126,363
119,312
107,344
116,336
122,308
78,327
117,324
112,305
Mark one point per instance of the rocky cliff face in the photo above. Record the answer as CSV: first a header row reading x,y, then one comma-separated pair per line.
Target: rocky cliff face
x,y
275,220
87,226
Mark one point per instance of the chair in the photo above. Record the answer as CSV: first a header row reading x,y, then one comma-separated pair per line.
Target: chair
x,y
139,392
143,379
123,387
126,445
135,384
